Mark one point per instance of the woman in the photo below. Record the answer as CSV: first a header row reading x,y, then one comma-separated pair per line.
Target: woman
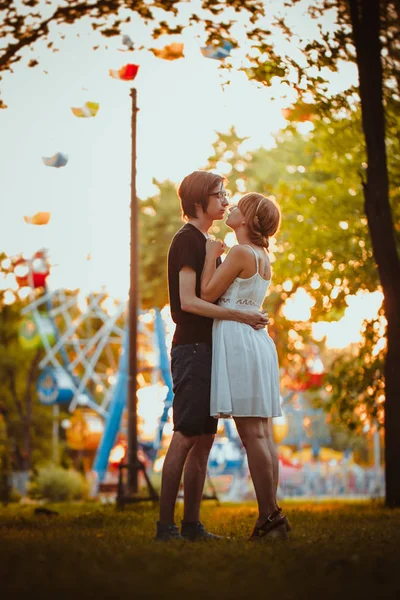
x,y
245,375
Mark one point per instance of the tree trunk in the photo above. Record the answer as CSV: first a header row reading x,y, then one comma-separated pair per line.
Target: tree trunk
x,y
365,19
28,437
28,420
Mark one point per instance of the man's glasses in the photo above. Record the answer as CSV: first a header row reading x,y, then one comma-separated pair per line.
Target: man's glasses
x,y
221,195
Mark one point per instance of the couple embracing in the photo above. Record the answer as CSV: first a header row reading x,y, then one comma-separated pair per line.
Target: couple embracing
x,y
224,363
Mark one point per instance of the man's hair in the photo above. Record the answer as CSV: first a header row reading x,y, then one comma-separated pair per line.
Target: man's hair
x,y
195,189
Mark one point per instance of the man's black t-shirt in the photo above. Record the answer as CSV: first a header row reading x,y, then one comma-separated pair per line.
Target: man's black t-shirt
x,y
188,248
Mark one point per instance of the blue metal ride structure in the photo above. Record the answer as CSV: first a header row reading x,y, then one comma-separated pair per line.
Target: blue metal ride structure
x,y
58,384
119,400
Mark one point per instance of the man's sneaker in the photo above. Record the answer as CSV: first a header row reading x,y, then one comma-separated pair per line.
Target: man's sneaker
x,y
167,532
197,532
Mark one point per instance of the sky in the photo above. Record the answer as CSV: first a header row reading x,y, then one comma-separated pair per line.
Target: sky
x,y
181,106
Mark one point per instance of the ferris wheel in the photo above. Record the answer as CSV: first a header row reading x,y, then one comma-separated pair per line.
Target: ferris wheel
x,y
82,339
86,350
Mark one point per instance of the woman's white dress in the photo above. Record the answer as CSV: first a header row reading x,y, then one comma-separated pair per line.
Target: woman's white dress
x,y
245,371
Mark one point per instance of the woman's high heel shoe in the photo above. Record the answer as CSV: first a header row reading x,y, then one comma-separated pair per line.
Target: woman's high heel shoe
x,y
287,524
273,527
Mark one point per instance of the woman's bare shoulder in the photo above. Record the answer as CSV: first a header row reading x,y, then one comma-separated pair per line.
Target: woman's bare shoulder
x,y
239,250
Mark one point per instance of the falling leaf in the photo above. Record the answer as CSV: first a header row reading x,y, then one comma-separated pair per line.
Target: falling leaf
x,y
126,40
217,52
126,73
39,218
88,110
300,112
57,160
169,52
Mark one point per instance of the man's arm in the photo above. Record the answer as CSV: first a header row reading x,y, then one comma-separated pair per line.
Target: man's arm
x,y
193,304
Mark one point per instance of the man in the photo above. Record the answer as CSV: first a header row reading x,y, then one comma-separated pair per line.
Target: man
x,y
203,199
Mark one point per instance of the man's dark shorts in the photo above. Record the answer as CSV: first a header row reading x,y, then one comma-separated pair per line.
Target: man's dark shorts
x,y
191,376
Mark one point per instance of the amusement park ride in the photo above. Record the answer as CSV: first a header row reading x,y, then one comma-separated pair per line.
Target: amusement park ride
x,y
86,353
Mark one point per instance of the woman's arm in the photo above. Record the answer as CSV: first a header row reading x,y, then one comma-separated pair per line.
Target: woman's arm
x,y
215,282
193,304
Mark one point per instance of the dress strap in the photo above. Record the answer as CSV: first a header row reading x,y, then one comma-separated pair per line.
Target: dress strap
x,y
255,255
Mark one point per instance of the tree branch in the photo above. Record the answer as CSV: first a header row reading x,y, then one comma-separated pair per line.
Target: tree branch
x,y
67,14
9,57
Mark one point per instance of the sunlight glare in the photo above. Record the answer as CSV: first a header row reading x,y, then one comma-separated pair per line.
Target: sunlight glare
x,y
224,167
346,331
287,285
315,283
230,239
150,407
298,307
9,298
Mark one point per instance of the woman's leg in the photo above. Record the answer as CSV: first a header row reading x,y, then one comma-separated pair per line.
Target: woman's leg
x,y
252,434
272,449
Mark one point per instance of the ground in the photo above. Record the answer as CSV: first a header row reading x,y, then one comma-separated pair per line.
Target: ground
x,y
91,551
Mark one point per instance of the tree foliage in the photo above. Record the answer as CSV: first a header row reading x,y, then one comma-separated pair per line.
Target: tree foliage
x,y
355,382
26,23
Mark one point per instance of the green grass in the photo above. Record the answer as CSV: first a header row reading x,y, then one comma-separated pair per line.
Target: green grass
x,y
336,551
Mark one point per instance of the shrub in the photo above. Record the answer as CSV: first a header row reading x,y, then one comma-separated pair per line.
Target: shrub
x,y
58,485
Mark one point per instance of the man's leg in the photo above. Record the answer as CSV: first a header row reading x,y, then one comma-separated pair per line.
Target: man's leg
x,y
172,473
195,475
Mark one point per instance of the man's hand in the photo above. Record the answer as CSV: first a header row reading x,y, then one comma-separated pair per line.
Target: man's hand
x,y
255,318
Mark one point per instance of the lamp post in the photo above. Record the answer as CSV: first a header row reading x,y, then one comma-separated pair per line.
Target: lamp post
x,y
133,315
